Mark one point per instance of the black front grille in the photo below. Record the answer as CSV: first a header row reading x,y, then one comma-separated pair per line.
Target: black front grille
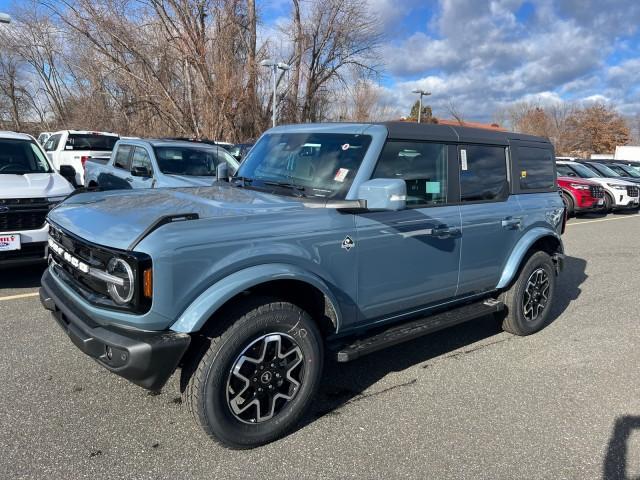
x,y
23,213
27,250
632,191
597,191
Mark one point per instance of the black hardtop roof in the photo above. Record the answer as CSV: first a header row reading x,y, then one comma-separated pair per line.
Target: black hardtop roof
x,y
430,131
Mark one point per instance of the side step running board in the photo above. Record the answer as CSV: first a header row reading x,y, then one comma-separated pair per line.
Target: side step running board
x,y
417,328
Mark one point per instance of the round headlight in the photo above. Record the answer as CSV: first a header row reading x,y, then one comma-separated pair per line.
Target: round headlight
x,y
120,293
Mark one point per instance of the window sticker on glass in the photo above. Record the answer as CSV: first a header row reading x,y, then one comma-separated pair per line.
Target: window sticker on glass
x,y
345,147
523,174
341,174
463,160
433,187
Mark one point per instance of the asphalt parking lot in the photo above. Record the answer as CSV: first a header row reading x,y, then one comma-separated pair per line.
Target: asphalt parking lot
x,y
468,402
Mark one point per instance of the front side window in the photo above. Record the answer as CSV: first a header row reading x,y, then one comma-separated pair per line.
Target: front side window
x,y
141,160
483,173
310,164
52,143
604,170
535,168
627,171
423,167
584,171
20,157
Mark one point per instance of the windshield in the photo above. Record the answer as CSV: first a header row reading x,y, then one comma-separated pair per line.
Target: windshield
x,y
197,161
606,171
317,164
19,157
583,171
626,170
90,141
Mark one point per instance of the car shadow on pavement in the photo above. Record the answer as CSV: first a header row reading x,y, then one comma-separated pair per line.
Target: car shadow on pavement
x,y
615,461
21,277
345,384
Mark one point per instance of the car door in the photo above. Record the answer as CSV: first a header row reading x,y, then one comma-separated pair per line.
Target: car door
x,y
50,147
492,219
141,160
115,178
408,259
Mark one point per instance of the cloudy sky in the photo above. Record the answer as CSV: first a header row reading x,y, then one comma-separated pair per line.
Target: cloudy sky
x,y
485,54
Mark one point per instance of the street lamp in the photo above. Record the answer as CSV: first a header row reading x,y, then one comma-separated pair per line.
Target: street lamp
x,y
422,93
274,66
4,18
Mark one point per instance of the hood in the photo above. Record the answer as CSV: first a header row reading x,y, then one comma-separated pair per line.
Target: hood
x,y
579,181
119,218
33,185
612,181
186,181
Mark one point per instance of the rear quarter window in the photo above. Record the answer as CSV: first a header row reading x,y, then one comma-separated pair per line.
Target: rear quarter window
x,y
483,173
535,170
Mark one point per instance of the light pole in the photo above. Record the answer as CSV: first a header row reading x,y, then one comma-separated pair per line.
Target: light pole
x,y
274,66
422,93
4,18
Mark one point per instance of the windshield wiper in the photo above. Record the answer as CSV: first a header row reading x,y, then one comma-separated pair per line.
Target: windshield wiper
x,y
292,186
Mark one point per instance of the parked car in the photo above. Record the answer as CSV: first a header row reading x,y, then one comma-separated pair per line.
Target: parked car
x,y
240,150
332,239
43,137
29,188
580,195
75,147
624,169
604,170
158,163
618,194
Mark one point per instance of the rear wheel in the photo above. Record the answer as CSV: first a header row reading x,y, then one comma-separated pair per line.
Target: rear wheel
x,y
257,379
528,301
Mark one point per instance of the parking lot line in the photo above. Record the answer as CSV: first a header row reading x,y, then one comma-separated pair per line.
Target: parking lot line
x,y
600,220
17,297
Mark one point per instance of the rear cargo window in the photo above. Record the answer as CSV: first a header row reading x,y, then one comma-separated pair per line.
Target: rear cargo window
x,y
483,173
535,169
81,141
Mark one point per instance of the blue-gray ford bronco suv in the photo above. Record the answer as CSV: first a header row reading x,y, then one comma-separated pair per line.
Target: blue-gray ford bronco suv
x,y
330,240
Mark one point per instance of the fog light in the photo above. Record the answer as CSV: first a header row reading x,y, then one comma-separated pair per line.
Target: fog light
x,y
109,352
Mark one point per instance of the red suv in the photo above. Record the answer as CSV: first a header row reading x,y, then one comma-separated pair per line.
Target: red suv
x,y
581,195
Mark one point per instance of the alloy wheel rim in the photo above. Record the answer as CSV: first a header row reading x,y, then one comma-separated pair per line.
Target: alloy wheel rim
x,y
264,378
536,294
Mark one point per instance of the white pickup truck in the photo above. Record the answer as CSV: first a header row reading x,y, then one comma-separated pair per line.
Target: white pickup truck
x,y
75,147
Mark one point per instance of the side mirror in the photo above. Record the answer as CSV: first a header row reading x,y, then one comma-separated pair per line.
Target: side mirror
x,y
384,194
68,172
222,171
140,172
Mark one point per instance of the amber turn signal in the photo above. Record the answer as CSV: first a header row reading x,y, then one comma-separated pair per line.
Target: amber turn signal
x,y
147,283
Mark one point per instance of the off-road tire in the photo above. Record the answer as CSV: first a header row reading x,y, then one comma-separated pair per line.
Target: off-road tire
x,y
568,203
514,320
206,393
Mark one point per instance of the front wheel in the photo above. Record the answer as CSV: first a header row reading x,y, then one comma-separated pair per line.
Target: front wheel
x,y
257,379
608,202
528,301
568,203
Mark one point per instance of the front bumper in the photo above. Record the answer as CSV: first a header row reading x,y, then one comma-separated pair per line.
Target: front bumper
x,y
33,248
145,358
622,200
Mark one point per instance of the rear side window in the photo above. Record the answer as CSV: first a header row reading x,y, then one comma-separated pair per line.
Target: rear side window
x,y
483,173
122,157
423,167
535,169
88,141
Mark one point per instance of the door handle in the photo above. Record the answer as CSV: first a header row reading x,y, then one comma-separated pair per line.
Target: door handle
x,y
511,223
444,231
